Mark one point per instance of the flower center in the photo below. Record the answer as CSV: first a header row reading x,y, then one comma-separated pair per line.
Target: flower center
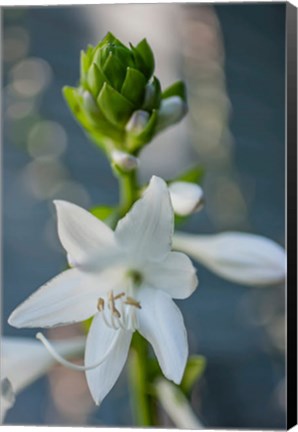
x,y
136,277
119,311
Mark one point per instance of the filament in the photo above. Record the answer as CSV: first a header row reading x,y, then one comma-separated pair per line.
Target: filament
x,y
71,365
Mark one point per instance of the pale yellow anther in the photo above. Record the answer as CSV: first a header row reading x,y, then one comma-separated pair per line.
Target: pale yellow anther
x,y
112,306
132,302
100,304
118,296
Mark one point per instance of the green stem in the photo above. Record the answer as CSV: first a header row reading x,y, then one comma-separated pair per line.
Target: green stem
x,y
138,382
128,192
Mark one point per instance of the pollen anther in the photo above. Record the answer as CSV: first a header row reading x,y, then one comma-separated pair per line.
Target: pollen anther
x,y
132,302
100,304
112,306
118,296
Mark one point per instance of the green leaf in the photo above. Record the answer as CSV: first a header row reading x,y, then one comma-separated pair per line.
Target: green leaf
x,y
143,64
176,89
192,175
110,39
75,103
152,95
95,79
145,51
115,71
194,370
95,124
84,65
96,117
134,86
115,107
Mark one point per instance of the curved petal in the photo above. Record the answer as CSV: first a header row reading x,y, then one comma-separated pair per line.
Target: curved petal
x,y
100,337
242,258
24,360
175,275
161,323
65,299
7,397
147,228
84,237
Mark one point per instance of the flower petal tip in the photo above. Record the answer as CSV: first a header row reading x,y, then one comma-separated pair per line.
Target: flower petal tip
x,y
155,180
15,320
61,203
12,321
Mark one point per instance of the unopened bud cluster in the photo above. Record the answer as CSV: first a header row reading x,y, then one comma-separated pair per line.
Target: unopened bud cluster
x,y
119,101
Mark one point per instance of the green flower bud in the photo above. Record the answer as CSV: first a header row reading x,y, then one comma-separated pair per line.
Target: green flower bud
x,y
118,99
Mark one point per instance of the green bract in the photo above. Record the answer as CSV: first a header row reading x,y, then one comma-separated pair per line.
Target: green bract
x,y
119,101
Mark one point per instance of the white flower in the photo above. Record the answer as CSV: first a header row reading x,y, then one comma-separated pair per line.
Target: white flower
x,y
243,258
24,360
186,197
126,280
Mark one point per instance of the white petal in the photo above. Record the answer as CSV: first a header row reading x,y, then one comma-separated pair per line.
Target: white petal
x,y
65,299
100,337
147,229
24,360
175,275
243,258
7,396
186,197
83,236
161,323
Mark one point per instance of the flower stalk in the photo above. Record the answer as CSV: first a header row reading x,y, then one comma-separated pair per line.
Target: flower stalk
x,y
128,191
140,399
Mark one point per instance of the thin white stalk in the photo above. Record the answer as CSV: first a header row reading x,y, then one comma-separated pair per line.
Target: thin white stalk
x,y
71,365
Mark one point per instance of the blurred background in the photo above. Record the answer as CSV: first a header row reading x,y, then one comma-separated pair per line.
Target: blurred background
x,y
232,57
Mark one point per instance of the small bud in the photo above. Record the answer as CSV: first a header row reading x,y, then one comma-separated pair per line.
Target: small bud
x,y
187,198
171,111
124,161
137,122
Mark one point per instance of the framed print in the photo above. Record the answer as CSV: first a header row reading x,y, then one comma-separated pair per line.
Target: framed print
x,y
149,197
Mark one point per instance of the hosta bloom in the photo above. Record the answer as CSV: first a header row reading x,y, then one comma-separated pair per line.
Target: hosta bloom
x,y
240,257
24,360
126,280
